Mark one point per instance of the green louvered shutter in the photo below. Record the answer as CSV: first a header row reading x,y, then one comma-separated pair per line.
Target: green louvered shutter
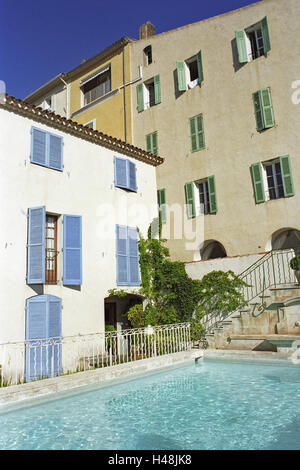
x,y
190,200
200,67
258,111
161,195
149,143
258,183
268,114
265,34
197,133
181,77
140,97
240,36
212,194
287,178
157,93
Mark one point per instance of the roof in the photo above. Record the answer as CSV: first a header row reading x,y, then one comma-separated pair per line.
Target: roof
x,y
78,130
80,69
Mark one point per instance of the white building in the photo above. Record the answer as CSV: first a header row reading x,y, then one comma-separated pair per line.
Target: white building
x,y
71,201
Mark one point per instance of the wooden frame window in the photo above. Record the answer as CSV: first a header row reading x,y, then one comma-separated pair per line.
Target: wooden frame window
x,y
51,249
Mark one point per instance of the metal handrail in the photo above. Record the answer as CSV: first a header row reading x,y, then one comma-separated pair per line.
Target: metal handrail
x,y
271,270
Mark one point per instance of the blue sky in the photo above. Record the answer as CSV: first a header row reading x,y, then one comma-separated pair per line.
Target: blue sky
x,y
39,39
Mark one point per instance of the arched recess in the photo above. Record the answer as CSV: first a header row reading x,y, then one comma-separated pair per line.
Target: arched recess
x,y
43,337
212,249
284,239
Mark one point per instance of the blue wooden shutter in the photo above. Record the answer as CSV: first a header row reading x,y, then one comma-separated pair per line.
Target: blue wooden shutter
x,y
36,249
72,249
54,331
131,173
36,329
133,255
38,152
121,180
55,152
122,255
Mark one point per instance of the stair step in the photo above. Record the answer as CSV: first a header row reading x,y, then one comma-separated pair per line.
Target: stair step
x,y
264,296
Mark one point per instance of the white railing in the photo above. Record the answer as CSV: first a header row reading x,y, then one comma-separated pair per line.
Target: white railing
x,y
36,359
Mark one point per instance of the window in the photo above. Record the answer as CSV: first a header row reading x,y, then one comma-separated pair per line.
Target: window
x,y
201,197
96,85
263,109
272,179
43,322
125,174
151,143
42,248
161,199
148,93
48,103
91,124
148,55
46,149
51,249
253,42
127,251
190,72
197,133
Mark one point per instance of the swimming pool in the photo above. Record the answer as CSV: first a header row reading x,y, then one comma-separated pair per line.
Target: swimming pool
x,y
209,405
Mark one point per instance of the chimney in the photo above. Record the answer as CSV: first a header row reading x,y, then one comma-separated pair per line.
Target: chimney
x,y
147,30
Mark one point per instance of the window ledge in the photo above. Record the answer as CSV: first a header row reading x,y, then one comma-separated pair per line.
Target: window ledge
x,y
105,97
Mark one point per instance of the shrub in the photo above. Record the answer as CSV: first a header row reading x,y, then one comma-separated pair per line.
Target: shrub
x,y
295,263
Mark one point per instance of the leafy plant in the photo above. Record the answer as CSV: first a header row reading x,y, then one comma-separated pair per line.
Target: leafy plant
x,y
295,263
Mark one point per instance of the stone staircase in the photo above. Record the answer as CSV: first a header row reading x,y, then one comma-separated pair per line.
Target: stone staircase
x,y
271,319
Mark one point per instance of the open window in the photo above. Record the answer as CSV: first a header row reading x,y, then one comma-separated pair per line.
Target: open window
x,y
96,85
190,72
148,93
148,55
253,42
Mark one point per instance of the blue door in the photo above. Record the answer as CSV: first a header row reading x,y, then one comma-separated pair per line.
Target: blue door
x,y
43,337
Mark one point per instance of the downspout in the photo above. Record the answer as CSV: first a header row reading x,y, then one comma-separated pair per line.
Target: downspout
x,y
124,98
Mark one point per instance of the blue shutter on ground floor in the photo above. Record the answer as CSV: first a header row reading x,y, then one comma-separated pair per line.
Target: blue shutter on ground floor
x,y
43,322
127,254
36,245
72,250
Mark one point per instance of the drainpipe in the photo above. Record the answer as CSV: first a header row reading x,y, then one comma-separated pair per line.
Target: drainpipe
x,y
124,98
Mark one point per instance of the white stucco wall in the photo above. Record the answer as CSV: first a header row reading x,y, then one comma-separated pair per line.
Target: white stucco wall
x,y
85,187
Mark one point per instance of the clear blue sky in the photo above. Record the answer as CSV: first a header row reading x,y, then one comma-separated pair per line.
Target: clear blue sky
x,y
40,39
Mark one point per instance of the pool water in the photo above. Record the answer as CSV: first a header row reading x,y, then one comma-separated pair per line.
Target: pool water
x,y
210,405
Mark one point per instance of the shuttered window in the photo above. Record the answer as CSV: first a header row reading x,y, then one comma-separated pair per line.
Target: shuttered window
x,y
253,42
161,197
125,174
190,200
46,149
287,177
189,72
212,195
263,109
197,133
43,337
72,250
151,143
258,183
127,253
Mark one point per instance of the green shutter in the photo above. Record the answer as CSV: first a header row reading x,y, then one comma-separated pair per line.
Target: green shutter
x,y
151,143
200,67
212,194
287,178
267,108
157,93
162,205
197,133
190,200
240,36
258,183
181,78
140,97
265,34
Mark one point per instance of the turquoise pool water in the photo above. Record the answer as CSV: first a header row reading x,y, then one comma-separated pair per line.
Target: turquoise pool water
x,y
210,405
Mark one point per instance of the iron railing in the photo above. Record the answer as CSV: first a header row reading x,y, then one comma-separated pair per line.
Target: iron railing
x,y
37,359
272,270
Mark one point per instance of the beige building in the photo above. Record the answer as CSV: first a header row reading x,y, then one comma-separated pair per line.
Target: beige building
x,y
219,102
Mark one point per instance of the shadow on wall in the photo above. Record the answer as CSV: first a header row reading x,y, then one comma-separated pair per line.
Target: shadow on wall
x,y
284,239
212,249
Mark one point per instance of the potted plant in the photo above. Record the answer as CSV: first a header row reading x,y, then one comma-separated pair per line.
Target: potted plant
x,y
295,265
